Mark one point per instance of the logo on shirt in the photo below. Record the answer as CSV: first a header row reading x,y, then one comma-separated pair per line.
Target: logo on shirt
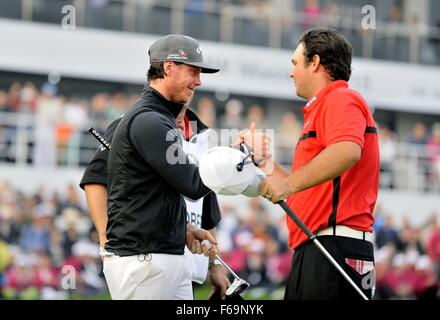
x,y
194,218
310,102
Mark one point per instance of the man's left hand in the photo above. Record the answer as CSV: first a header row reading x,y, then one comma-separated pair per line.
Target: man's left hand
x,y
219,280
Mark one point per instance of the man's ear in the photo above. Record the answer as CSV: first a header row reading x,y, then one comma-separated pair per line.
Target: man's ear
x,y
316,60
168,67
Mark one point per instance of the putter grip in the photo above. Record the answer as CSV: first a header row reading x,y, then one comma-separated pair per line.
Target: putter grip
x,y
207,244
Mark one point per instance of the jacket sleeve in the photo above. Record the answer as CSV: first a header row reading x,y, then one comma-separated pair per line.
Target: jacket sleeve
x,y
211,212
158,142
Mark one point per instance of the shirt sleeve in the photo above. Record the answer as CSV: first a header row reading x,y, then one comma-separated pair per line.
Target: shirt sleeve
x,y
344,120
96,170
158,142
211,211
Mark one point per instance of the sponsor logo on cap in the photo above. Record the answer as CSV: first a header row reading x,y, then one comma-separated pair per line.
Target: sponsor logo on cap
x,y
199,51
180,55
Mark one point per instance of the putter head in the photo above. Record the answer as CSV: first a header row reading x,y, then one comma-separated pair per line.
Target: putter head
x,y
237,287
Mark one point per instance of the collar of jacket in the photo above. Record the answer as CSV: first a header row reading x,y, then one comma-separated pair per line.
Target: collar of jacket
x,y
160,103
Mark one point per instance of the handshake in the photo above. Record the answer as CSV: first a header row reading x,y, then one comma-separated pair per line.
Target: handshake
x,y
235,170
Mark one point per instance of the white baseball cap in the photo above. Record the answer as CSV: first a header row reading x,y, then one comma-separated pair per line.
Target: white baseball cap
x,y
226,171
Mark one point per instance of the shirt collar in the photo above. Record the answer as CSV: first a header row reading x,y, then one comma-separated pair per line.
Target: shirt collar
x,y
324,92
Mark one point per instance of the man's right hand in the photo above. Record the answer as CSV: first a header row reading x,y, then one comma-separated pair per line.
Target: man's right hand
x,y
102,242
257,140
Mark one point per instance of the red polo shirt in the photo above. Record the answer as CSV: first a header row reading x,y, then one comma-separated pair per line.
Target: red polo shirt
x,y
336,114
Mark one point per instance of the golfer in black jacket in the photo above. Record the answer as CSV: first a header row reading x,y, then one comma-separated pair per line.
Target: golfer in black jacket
x,y
148,175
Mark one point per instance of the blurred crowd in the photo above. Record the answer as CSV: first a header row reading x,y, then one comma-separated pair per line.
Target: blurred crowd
x,y
49,249
407,258
50,123
54,127
413,163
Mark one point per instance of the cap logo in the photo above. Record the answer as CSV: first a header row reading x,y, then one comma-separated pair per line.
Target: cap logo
x,y
199,51
180,55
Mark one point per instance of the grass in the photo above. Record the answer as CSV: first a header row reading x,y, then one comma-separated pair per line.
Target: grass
x,y
256,293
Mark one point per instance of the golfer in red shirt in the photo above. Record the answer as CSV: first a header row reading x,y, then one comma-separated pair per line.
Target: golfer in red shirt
x,y
334,181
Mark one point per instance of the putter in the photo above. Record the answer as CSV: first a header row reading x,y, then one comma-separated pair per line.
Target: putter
x,y
239,285
100,138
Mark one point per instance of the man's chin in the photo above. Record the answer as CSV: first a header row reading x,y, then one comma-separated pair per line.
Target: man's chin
x,y
299,94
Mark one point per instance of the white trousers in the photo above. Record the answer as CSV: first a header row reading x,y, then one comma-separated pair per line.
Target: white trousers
x,y
156,276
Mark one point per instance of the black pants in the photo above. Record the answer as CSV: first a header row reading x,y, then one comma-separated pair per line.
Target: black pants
x,y
313,277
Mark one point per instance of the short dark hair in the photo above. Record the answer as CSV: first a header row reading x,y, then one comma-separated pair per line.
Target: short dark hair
x,y
156,70
333,49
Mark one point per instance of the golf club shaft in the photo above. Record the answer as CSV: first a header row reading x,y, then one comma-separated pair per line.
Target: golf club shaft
x,y
209,246
337,266
226,266
312,237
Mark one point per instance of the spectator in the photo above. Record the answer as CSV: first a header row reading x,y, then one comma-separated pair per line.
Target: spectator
x,y
232,118
433,147
98,111
45,274
426,285
14,97
35,237
331,16
388,235
206,112
116,106
388,153
433,249
395,47
311,14
72,199
28,98
94,13
401,279
255,113
4,107
19,278
227,226
48,113
287,136
417,150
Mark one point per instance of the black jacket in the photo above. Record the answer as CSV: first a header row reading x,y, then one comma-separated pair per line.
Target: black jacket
x,y
148,172
96,172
